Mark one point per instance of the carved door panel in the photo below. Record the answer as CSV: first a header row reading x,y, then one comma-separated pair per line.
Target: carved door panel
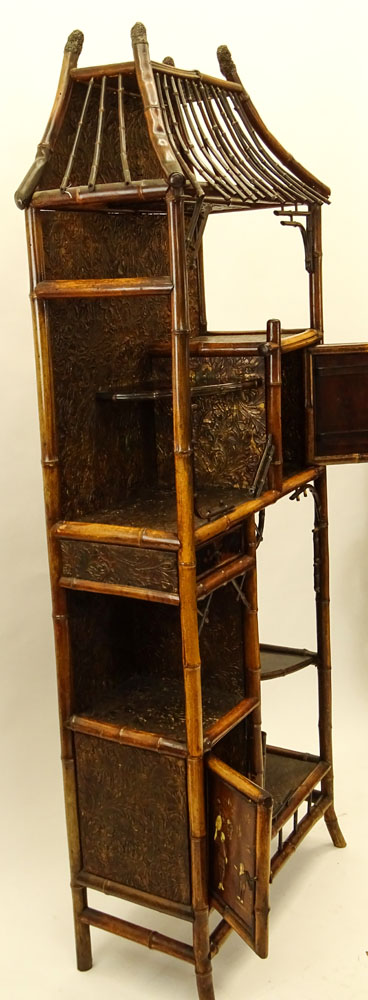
x,y
239,833
339,400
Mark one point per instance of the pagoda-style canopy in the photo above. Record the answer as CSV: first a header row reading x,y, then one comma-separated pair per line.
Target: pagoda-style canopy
x,y
117,133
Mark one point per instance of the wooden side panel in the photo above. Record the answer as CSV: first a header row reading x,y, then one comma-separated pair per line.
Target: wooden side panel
x,y
340,398
132,567
133,817
240,837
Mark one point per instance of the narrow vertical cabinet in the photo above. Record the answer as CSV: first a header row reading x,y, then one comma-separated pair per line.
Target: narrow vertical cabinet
x,y
162,445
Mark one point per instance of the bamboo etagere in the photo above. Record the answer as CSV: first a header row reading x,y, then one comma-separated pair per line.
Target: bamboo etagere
x,y
162,445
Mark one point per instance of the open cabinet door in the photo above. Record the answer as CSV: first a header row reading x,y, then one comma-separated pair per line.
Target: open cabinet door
x,y
239,834
339,401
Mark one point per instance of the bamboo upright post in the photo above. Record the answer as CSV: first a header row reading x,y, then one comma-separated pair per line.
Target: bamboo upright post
x,y
252,656
273,400
321,552
322,588
49,459
183,455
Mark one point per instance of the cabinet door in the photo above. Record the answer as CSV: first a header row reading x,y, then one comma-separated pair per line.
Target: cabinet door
x,y
239,835
339,377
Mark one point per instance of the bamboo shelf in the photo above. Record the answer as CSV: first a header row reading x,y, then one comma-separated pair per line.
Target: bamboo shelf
x,y
163,444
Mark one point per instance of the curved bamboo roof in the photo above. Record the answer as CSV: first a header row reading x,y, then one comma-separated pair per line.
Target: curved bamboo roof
x,y
204,128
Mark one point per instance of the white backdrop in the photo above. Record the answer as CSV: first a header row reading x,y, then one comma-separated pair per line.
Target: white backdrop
x,y
305,66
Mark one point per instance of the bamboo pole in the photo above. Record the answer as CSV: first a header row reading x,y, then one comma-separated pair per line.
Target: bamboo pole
x,y
72,51
49,459
183,458
88,880
314,230
252,657
322,591
220,577
273,401
138,934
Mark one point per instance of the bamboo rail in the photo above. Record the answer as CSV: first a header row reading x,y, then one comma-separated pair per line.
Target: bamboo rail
x,y
97,587
219,577
115,534
92,288
126,735
138,934
227,722
183,458
103,194
322,588
87,880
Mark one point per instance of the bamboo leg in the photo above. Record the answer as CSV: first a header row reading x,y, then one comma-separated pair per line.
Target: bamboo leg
x,y
60,618
324,652
187,585
252,657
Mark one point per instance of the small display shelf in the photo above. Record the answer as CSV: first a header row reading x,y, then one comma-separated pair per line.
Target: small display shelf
x,y
163,390
277,661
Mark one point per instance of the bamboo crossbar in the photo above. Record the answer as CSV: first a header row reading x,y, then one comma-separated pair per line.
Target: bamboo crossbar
x,y
299,796
322,804
115,534
224,523
103,195
140,935
96,587
227,722
88,880
92,288
219,577
126,736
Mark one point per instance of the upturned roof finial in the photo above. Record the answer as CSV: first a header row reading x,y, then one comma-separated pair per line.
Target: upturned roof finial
x,y
227,66
138,33
75,42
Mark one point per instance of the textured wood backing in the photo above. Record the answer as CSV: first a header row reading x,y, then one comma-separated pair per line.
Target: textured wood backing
x,y
141,156
229,431
133,817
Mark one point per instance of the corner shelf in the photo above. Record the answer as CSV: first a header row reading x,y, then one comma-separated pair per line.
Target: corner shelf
x,y
278,661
